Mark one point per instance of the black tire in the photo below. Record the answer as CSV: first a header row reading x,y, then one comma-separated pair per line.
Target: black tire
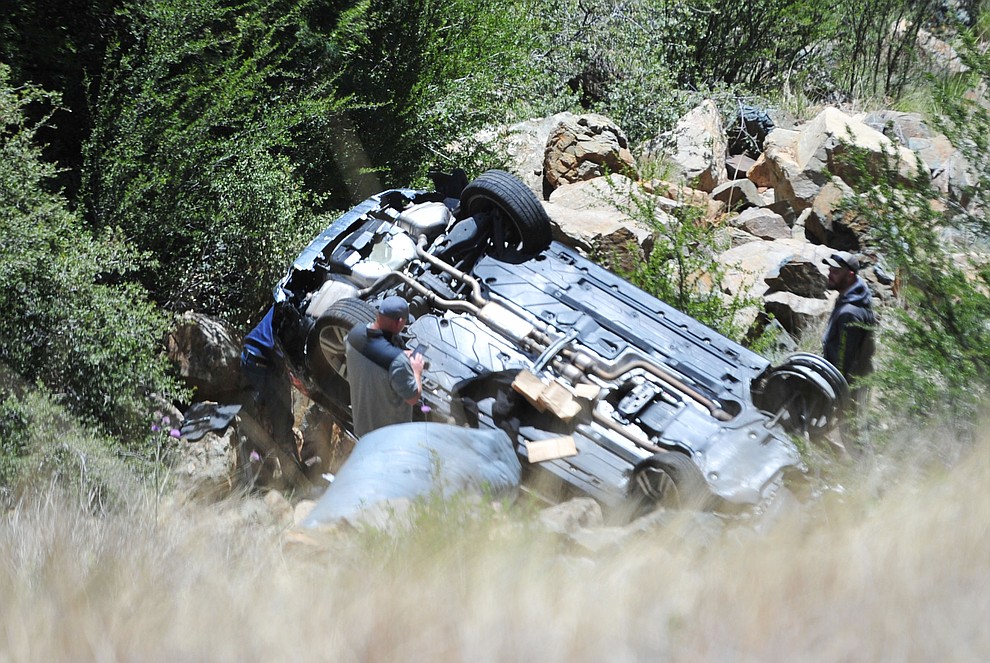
x,y
325,346
806,391
821,366
672,480
520,226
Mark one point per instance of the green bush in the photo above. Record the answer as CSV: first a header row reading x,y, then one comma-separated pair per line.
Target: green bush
x,y
69,316
203,108
934,354
684,269
430,74
44,448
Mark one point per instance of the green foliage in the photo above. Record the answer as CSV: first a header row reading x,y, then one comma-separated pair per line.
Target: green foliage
x,y
43,447
644,62
875,49
192,150
58,45
683,268
69,317
430,74
936,348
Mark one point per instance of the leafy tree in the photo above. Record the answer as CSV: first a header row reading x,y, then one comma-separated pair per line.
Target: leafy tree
x,y
936,347
69,316
202,110
876,50
43,446
59,46
430,74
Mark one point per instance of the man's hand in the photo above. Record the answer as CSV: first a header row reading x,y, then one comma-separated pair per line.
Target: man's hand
x,y
417,361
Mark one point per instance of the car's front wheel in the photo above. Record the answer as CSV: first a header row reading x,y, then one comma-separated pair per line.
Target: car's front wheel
x,y
520,228
325,345
672,480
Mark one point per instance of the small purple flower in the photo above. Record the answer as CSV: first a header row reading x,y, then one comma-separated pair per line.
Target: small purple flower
x,y
175,433
155,428
425,408
166,421
255,456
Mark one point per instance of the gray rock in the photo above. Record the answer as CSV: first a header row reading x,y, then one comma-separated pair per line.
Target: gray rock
x,y
526,145
800,276
795,162
795,313
207,352
695,149
762,223
590,216
205,470
738,194
572,515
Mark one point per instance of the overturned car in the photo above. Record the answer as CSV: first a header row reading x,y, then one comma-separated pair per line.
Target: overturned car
x,y
605,390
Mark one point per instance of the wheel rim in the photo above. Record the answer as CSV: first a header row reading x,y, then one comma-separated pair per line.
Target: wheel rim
x,y
821,367
657,485
507,239
807,393
332,347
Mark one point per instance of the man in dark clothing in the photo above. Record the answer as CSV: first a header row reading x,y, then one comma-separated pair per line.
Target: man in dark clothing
x,y
848,341
267,412
385,380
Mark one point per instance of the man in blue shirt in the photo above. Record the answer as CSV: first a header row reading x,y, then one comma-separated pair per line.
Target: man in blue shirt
x,y
267,410
385,380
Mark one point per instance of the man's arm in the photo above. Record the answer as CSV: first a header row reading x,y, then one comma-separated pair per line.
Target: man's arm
x,y
405,376
851,337
416,361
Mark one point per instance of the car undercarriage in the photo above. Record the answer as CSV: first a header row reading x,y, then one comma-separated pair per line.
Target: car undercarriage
x,y
603,388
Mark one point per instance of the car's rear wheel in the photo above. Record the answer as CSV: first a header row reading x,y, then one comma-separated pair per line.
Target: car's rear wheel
x,y
520,226
805,392
325,345
672,480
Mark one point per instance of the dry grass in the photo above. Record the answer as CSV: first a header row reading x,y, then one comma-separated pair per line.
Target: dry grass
x,y
901,574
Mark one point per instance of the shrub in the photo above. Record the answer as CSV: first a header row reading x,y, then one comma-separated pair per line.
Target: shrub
x,y
44,448
202,108
683,268
69,316
936,345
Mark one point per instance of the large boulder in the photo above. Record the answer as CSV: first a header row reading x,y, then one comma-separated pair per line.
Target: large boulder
x,y
205,469
763,223
207,353
526,146
583,147
950,171
738,195
592,217
797,314
825,223
695,149
749,265
800,276
795,162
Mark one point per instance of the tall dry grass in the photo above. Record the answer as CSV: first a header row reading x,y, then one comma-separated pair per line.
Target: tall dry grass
x,y
880,572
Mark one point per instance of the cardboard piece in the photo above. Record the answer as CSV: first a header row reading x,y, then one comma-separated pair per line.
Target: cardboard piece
x,y
557,447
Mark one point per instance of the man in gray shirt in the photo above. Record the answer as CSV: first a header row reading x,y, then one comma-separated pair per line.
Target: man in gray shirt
x,y
385,379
